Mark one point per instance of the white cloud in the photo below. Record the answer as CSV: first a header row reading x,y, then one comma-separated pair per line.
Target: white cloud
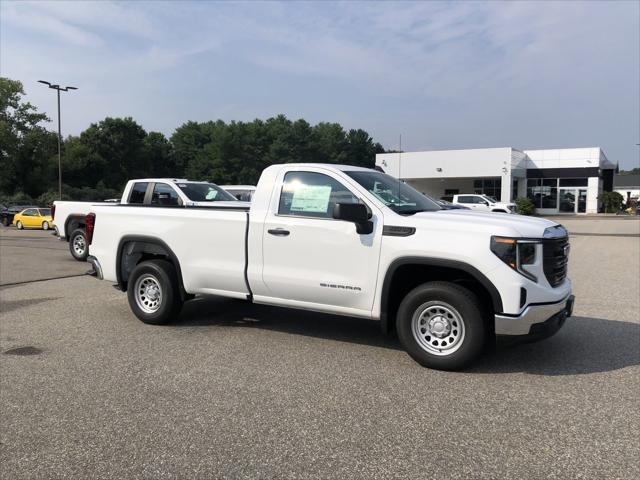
x,y
452,69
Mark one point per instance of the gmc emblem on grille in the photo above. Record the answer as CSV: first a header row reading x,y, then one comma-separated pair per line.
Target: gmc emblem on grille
x,y
567,248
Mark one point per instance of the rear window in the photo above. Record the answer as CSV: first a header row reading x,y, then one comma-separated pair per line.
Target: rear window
x,y
205,192
242,195
165,195
45,212
465,199
137,192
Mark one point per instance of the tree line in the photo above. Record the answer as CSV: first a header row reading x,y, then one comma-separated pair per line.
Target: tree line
x,y
97,163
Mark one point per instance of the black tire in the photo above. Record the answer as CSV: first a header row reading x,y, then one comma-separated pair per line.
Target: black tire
x,y
458,305
499,211
78,238
163,273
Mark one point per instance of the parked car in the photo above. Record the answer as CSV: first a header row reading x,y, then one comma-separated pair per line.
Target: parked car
x,y
450,206
348,241
7,214
69,217
33,218
243,193
483,203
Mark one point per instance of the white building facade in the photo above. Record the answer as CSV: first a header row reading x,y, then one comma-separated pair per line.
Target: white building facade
x,y
568,180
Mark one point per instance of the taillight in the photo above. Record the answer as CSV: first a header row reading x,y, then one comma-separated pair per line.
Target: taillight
x,y
89,224
53,212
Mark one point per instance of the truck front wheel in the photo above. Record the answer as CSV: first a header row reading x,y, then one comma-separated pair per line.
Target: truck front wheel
x,y
153,292
440,325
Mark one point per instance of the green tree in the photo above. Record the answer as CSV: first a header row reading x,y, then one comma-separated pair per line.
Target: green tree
x,y
159,156
26,147
117,146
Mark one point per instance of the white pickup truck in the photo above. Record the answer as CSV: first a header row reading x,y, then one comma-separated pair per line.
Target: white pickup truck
x,y
69,217
349,241
483,203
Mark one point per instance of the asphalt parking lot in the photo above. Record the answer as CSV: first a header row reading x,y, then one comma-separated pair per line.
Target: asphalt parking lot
x,y
240,391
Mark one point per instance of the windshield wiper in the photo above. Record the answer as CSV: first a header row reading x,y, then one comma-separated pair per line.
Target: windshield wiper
x,y
412,212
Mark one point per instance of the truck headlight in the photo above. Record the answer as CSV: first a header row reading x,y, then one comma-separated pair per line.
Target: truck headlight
x,y
516,253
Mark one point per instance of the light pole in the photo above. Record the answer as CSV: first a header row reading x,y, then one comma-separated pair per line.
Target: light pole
x,y
64,89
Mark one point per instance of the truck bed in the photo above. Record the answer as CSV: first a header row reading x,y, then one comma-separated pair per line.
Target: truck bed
x,y
207,240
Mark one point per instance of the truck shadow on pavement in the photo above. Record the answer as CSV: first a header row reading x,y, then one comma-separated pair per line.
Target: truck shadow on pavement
x,y
585,345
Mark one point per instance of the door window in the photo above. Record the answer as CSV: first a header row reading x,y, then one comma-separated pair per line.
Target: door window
x,y
310,194
29,213
164,195
137,192
465,199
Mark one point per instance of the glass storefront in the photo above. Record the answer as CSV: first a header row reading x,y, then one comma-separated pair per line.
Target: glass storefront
x,y
558,193
488,186
543,192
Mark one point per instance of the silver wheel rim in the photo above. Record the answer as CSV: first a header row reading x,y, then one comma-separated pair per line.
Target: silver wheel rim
x,y
148,293
79,245
19,225
438,328
45,226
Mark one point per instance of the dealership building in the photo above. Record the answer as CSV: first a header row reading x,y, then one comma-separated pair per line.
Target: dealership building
x,y
568,180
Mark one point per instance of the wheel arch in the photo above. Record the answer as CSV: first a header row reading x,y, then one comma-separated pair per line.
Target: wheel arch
x,y
73,221
133,249
406,273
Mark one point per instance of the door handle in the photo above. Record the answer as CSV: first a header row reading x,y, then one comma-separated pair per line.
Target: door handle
x,y
279,232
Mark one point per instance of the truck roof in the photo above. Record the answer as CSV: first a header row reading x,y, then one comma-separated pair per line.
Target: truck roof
x,y
174,180
343,168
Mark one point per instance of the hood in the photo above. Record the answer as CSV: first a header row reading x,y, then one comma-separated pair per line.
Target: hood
x,y
492,223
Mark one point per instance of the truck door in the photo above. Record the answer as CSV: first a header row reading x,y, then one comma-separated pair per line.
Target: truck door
x,y
310,257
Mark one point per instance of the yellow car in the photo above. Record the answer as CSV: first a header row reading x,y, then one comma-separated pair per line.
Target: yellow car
x,y
33,218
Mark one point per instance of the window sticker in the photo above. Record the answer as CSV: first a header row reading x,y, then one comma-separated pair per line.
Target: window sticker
x,y
211,194
311,198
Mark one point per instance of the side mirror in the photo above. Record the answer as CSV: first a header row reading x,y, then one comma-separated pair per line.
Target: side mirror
x,y
356,213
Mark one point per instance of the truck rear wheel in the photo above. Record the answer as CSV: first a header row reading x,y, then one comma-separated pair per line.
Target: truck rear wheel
x,y
78,245
153,292
441,325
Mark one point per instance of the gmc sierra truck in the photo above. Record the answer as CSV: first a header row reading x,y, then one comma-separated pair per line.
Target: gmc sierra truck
x,y
68,217
349,241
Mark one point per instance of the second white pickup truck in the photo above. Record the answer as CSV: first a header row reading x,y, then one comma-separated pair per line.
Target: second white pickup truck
x,y
349,241
483,203
69,217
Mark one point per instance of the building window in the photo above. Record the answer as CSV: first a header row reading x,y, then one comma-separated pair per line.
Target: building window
x,y
451,191
543,192
573,182
488,186
514,189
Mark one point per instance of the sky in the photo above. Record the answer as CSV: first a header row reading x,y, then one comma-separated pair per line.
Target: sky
x,y
444,75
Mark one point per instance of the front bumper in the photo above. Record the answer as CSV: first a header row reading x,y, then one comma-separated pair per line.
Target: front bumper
x,y
541,319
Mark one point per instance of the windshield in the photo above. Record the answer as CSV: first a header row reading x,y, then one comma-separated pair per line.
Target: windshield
x,y
45,212
205,192
398,196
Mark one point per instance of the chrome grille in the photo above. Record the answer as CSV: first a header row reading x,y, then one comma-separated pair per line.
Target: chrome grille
x,y
555,260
